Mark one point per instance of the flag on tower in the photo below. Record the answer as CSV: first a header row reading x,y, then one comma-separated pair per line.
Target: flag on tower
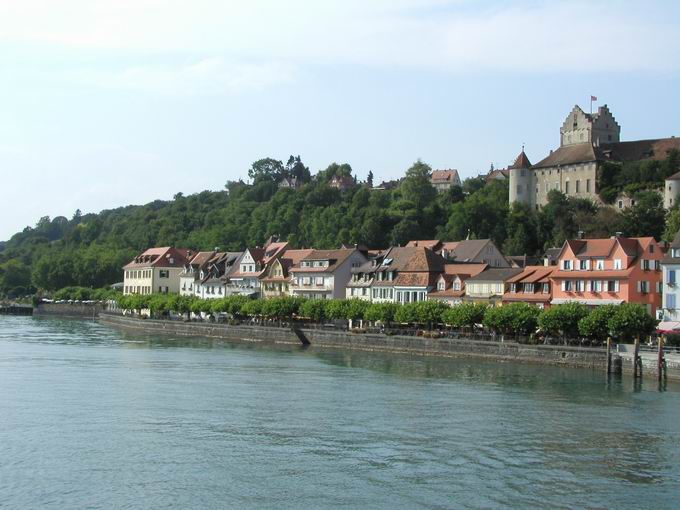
x,y
593,98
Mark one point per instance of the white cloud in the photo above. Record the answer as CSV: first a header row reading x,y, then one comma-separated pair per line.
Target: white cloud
x,y
207,76
441,34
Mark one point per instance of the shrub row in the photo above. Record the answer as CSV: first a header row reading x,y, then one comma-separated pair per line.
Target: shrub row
x,y
573,320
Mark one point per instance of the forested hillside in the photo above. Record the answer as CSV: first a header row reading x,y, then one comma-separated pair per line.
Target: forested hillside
x,y
89,250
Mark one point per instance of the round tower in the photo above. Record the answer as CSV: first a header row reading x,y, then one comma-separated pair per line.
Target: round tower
x,y
671,191
521,180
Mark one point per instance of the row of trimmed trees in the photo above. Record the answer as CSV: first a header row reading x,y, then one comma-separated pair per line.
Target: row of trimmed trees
x,y
573,320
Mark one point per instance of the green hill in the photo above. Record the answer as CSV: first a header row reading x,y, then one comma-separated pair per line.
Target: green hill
x,y
89,250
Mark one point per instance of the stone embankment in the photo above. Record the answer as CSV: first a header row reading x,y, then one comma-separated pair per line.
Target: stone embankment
x,y
584,357
69,310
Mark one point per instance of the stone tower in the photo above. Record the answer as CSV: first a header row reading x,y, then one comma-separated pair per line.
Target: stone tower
x,y
595,128
671,190
521,181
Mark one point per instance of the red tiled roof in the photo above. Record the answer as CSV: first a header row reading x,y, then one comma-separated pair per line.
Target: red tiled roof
x,y
443,176
522,161
160,257
464,269
431,244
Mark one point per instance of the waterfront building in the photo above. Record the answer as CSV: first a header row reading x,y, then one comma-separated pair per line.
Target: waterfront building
x,y
215,277
490,285
670,265
276,279
245,279
155,270
324,274
609,271
479,251
363,276
192,273
587,142
531,286
450,285
443,180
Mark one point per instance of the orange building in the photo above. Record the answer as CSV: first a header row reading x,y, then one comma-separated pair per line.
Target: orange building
x,y
609,271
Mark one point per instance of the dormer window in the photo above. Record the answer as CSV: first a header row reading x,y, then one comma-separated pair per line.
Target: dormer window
x,y
441,286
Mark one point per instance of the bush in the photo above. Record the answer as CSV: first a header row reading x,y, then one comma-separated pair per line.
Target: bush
x,y
563,320
252,308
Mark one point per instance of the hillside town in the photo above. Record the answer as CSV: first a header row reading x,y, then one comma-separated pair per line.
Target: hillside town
x,y
604,271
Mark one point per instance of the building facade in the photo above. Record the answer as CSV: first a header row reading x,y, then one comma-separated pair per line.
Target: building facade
x,y
157,270
324,274
609,271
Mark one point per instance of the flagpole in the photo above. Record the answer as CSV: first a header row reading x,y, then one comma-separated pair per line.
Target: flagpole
x,y
591,104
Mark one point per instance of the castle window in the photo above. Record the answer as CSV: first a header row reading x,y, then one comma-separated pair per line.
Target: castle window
x,y
620,204
519,189
578,183
609,137
566,187
587,185
523,172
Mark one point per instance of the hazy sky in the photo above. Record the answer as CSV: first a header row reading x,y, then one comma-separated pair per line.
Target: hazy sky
x,y
111,102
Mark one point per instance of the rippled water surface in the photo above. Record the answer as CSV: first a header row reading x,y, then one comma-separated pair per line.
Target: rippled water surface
x,y
91,417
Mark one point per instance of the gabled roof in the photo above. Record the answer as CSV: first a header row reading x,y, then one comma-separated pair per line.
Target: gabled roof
x,y
432,244
166,256
444,176
464,269
413,259
273,250
466,250
335,258
533,274
600,248
570,154
495,274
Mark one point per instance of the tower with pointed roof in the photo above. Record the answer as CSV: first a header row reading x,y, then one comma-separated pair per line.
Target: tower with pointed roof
x,y
522,185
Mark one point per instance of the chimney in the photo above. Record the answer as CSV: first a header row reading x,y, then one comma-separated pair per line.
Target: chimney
x,y
580,234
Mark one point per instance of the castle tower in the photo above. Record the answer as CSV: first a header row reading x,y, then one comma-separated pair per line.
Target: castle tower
x,y
671,191
521,180
596,128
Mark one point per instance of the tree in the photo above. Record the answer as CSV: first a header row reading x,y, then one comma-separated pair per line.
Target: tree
x,y
416,187
563,320
464,315
430,312
369,179
647,217
515,318
595,325
295,168
381,312
522,231
630,321
266,170
672,224
407,314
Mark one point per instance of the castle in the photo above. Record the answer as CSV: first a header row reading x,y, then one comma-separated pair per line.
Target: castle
x,y
587,140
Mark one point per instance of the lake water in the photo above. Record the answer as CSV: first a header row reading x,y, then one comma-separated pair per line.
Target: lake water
x,y
91,417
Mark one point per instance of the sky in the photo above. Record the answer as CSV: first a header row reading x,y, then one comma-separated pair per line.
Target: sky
x,y
105,103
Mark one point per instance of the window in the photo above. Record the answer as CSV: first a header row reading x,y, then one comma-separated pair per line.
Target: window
x,y
587,185
584,265
519,189
617,263
580,286
620,204
513,287
599,265
578,185
164,273
546,187
546,288
644,264
566,265
440,285
318,280
612,286
566,187
529,288
643,287
670,301
651,248
596,286
456,285
671,277
567,285
676,252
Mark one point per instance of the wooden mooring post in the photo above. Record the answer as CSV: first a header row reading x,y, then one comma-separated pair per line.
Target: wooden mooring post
x,y
661,358
637,365
609,355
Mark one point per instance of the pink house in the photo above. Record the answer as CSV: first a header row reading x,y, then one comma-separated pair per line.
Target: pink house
x,y
609,271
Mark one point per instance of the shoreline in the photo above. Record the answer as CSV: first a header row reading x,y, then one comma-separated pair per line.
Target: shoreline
x,y
564,356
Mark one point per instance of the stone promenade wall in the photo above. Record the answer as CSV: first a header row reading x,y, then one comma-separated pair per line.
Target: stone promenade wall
x,y
76,310
546,354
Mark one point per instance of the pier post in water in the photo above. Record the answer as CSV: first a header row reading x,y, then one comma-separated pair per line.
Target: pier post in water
x,y
609,355
661,360
636,358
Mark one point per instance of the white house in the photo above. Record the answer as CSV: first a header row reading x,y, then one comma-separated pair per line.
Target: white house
x,y
324,274
670,265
